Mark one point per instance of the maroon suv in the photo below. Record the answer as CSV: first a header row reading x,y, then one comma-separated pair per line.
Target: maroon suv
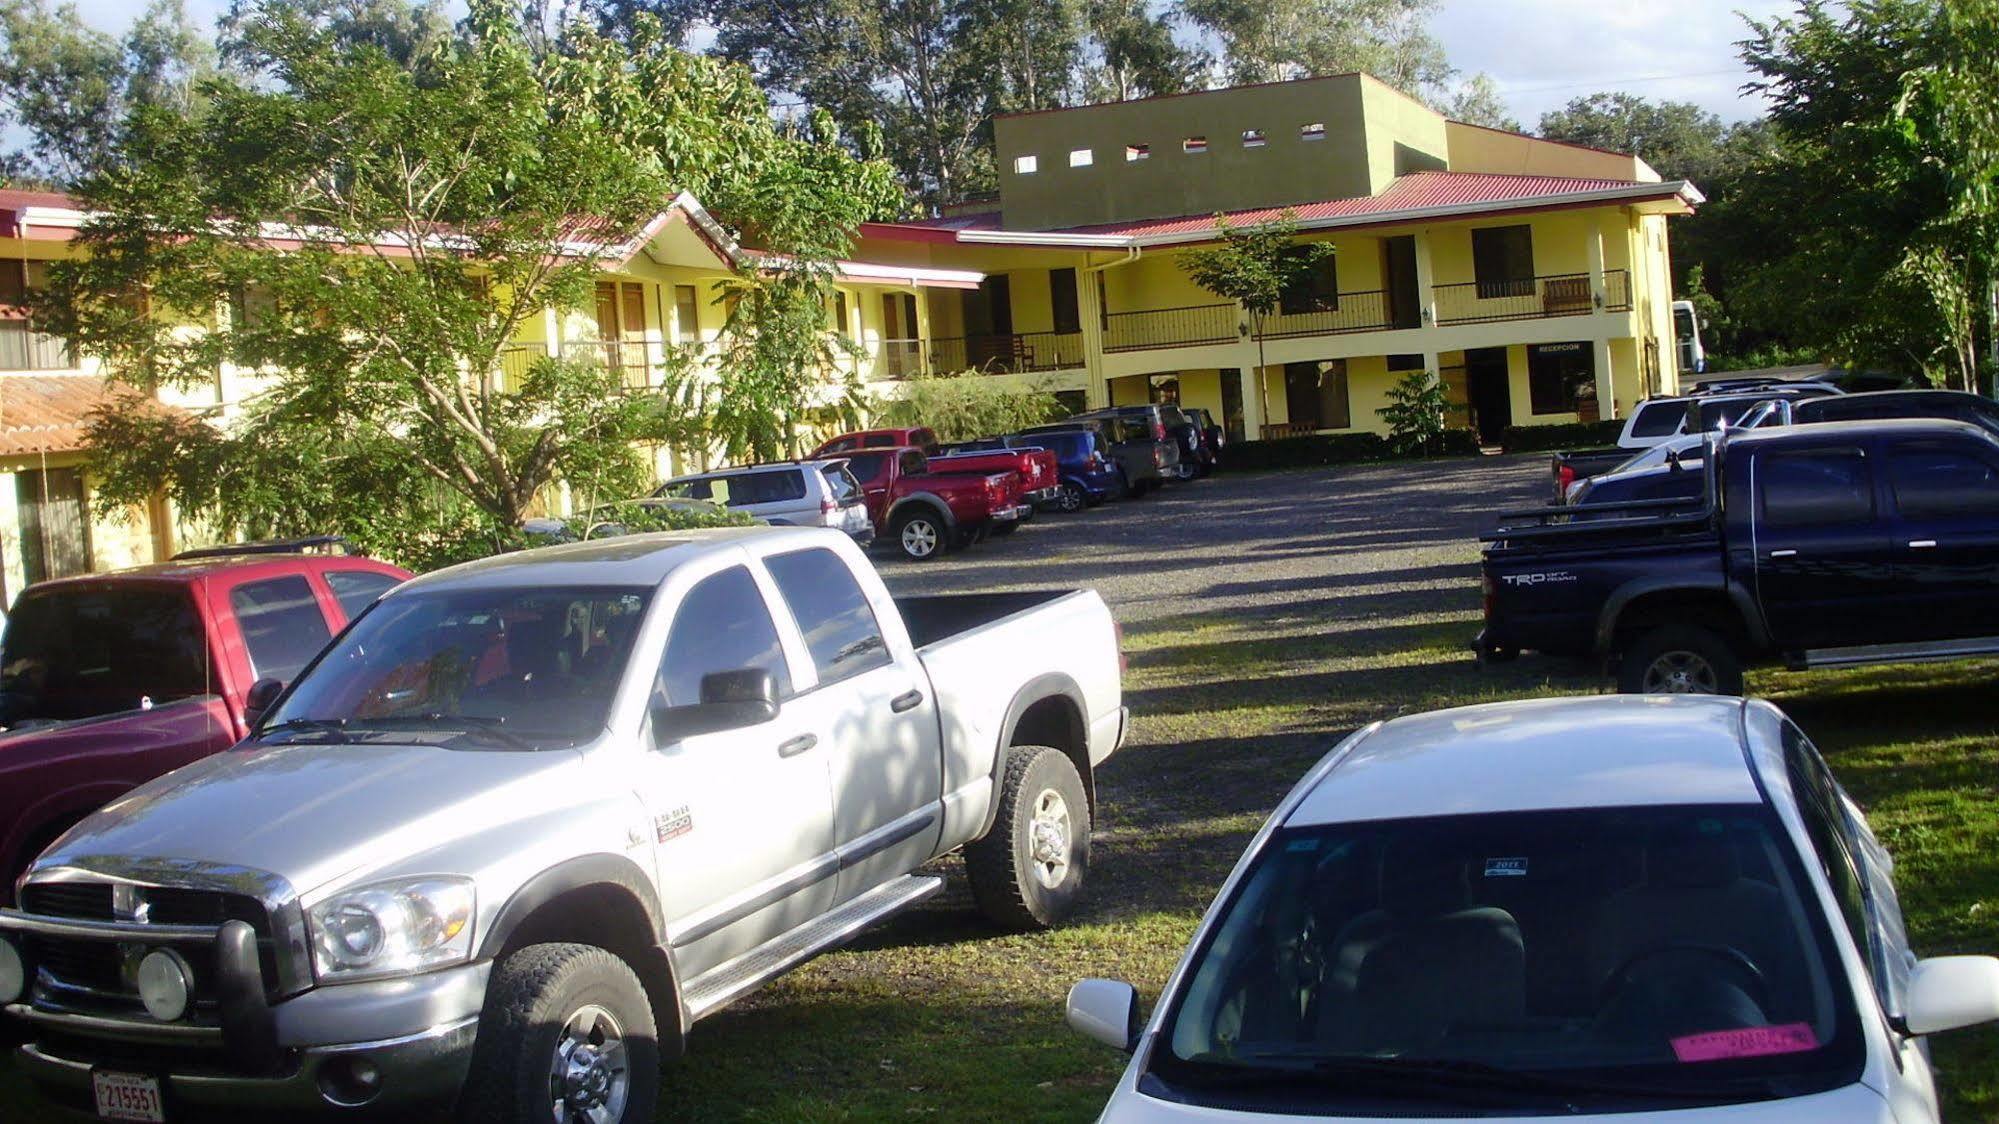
x,y
109,680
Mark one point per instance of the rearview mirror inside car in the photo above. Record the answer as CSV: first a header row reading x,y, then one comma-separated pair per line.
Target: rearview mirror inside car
x,y
1948,992
258,700
730,700
1105,1010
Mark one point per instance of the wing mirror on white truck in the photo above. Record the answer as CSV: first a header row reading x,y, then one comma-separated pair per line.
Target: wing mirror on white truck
x,y
730,700
1949,992
1106,1011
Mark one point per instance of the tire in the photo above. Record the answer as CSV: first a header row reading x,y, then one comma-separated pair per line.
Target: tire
x,y
1024,877
1679,659
920,535
551,1007
1072,498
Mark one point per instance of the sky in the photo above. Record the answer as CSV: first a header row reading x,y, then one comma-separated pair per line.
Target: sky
x,y
1541,53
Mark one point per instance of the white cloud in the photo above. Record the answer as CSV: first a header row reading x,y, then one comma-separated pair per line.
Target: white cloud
x,y
1542,53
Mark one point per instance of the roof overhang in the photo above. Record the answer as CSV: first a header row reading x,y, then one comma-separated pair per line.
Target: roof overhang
x,y
1677,197
905,276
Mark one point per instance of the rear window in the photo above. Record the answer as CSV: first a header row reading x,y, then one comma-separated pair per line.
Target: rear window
x,y
868,467
839,626
844,487
1814,488
358,589
80,653
1931,481
1658,419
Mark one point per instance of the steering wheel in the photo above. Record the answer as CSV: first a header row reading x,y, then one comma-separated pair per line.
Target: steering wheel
x,y
1734,958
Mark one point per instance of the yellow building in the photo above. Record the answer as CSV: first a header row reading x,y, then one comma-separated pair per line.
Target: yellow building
x,y
1533,275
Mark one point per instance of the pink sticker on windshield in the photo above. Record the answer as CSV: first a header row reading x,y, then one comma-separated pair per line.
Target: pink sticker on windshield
x,y
1749,1042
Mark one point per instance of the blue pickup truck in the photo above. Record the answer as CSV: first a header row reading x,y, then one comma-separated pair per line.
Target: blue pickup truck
x,y
1811,546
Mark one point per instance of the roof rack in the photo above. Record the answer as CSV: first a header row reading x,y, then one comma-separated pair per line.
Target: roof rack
x,y
305,544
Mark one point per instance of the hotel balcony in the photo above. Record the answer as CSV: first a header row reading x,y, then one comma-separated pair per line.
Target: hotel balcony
x,y
1011,353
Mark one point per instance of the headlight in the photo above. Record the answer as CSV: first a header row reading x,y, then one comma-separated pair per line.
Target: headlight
x,y
392,928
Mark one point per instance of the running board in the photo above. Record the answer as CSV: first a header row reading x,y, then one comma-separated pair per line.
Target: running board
x,y
1923,652
723,984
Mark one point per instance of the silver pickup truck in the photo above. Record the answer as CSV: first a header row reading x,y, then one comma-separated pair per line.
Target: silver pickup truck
x,y
530,818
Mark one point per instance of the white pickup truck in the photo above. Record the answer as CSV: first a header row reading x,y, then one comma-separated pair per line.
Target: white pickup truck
x,y
530,818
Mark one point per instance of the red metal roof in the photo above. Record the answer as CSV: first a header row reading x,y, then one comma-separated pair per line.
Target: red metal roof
x,y
1413,192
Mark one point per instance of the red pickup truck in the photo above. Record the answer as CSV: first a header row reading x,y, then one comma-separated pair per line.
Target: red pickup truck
x,y
109,680
894,437
925,513
1040,471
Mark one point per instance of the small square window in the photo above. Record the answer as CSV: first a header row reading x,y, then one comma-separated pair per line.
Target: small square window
x,y
1314,131
1194,144
1134,152
1252,138
1081,157
1025,165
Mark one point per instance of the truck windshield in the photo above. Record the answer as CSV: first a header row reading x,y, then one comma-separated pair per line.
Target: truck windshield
x,y
75,652
1612,957
484,668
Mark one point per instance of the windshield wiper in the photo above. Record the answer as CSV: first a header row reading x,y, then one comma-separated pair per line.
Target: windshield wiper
x,y
303,726
1466,1074
467,723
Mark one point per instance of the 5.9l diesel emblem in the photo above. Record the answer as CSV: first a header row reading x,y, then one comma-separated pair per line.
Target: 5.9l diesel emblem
x,y
1538,579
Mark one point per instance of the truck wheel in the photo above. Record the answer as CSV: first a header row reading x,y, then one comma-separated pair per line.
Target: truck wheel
x,y
567,1035
919,535
1028,870
1679,659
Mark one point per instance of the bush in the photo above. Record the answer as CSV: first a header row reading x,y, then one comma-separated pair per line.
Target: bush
x,y
1415,413
1571,435
474,541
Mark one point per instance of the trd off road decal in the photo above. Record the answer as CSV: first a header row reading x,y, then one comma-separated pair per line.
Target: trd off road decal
x,y
1548,578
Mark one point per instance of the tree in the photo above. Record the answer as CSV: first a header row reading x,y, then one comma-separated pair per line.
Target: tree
x,y
965,405
1476,101
1679,139
1275,40
404,29
424,212
1884,114
1415,413
73,88
1254,266
1133,53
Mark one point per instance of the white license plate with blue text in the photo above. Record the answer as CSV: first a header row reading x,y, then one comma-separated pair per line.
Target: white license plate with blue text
x,y
128,1096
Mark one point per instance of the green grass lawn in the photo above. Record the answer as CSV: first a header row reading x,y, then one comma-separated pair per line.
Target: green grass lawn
x,y
935,1015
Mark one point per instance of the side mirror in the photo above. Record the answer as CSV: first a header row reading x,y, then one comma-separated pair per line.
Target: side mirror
x,y
1106,1011
1948,992
730,700
258,700
1673,461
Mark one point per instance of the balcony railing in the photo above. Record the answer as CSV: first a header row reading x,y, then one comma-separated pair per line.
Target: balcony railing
x,y
634,360
1531,298
516,360
1190,326
897,359
22,348
1350,312
1012,353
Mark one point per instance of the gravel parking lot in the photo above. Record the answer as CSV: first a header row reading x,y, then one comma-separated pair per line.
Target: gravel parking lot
x,y
1264,616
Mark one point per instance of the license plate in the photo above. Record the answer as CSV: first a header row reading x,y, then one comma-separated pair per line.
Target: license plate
x,y
127,1096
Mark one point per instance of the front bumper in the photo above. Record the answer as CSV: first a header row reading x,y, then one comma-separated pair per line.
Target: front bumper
x,y
416,1070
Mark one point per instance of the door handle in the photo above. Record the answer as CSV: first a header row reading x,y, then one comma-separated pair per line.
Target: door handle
x,y
1922,544
908,700
792,747
1783,554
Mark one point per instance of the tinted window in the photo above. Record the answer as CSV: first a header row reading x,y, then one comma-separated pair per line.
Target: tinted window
x,y
487,668
1658,419
701,489
878,441
832,612
1814,487
723,625
912,463
1930,481
358,589
868,467
77,653
766,487
282,625
1823,814
1714,415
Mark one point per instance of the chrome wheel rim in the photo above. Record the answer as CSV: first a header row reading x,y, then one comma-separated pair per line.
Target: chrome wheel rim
x,y
590,1080
1681,673
1049,838
919,538
1072,498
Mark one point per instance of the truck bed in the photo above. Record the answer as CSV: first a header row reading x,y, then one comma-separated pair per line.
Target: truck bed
x,y
935,617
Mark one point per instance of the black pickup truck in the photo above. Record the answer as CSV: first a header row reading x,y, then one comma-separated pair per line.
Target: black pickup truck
x,y
1812,546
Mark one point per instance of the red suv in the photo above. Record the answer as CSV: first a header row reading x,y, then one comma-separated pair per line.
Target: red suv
x,y
110,680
